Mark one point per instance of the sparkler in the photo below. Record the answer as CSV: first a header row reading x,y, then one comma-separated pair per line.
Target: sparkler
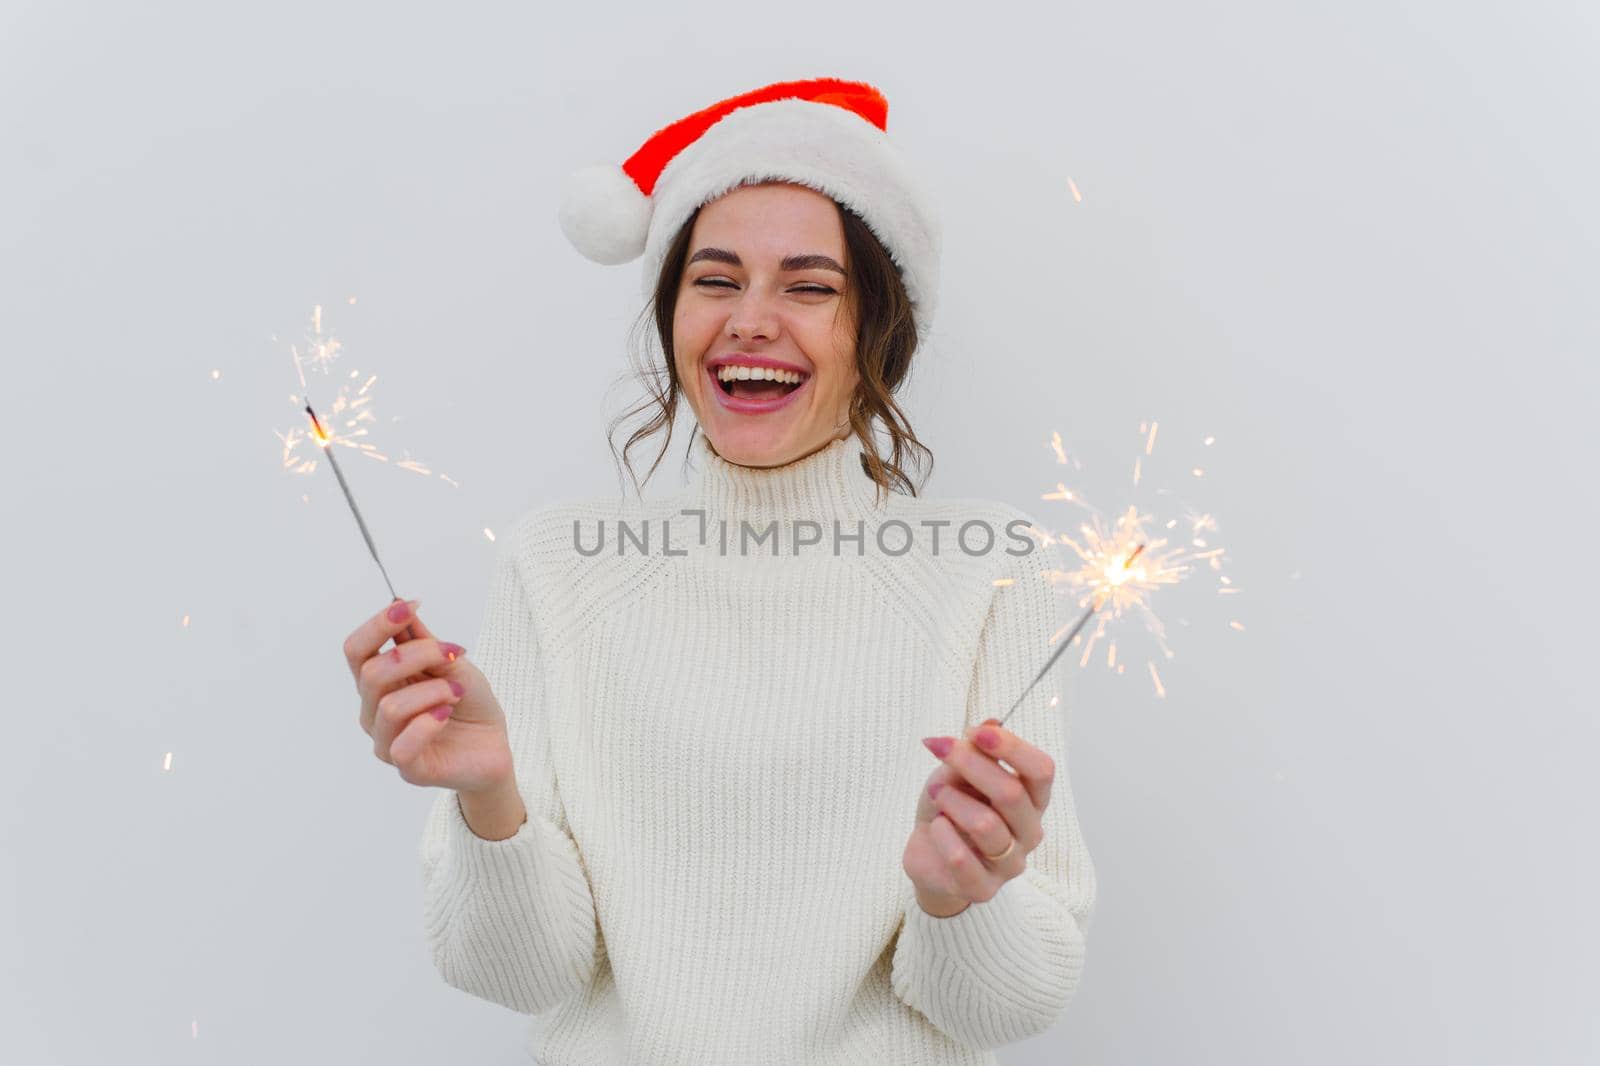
x,y
1107,570
1100,596
323,442
350,415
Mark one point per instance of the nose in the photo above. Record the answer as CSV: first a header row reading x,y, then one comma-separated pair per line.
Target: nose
x,y
751,317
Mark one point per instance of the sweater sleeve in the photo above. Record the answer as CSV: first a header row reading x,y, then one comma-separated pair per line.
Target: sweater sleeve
x,y
510,921
1004,969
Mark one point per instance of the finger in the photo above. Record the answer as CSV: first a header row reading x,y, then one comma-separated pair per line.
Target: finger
x,y
942,777
408,750
984,827
414,629
438,665
966,869
414,661
1004,790
396,710
1033,765
372,634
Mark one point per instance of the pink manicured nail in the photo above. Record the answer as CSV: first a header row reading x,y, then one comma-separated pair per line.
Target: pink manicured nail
x,y
452,652
933,789
400,611
940,746
441,712
987,739
457,688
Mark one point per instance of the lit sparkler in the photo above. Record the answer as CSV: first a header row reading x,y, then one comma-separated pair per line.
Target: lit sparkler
x,y
350,416
1111,580
1107,576
323,440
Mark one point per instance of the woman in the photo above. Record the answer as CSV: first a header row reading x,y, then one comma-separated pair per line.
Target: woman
x,y
679,767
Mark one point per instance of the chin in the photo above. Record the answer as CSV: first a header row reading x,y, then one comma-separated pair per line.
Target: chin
x,y
753,445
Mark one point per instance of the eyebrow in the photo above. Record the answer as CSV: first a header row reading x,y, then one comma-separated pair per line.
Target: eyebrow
x,y
812,261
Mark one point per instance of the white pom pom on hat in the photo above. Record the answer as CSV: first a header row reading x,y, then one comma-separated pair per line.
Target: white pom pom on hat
x,y
828,134
604,214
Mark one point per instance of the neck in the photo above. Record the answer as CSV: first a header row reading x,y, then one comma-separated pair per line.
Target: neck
x,y
828,483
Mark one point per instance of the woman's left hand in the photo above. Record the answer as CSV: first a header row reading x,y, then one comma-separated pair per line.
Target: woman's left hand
x,y
972,807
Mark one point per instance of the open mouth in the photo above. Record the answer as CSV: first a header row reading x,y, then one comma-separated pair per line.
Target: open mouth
x,y
758,385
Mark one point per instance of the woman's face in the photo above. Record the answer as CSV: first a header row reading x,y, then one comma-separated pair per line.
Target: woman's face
x,y
762,283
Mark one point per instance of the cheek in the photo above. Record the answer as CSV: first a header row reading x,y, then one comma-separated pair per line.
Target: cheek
x,y
831,342
844,353
847,386
696,326
840,374
688,343
841,384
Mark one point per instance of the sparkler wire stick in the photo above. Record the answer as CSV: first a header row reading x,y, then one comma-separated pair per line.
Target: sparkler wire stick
x,y
1099,600
326,441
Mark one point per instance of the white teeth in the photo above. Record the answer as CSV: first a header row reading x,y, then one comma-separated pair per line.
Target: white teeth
x,y
753,373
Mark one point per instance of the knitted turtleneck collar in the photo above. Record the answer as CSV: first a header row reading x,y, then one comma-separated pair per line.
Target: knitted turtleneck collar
x,y
828,483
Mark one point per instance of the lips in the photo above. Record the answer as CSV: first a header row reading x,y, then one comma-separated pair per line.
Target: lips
x,y
745,405
765,362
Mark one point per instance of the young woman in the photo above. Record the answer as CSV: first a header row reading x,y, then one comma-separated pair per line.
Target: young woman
x,y
686,818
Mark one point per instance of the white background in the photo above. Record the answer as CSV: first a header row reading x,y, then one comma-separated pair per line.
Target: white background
x,y
1353,242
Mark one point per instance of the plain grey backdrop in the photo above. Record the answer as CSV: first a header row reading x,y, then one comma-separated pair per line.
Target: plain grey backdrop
x,y
1353,243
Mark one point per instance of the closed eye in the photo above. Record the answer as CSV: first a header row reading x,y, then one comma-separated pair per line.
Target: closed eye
x,y
724,284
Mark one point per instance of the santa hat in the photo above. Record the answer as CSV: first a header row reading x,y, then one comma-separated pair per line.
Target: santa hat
x,y
823,133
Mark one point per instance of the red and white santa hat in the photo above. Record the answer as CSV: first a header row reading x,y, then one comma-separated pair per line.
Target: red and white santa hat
x,y
824,133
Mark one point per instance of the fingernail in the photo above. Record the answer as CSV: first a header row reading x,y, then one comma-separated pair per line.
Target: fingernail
x,y
401,611
457,688
990,721
933,789
987,739
452,652
442,711
940,746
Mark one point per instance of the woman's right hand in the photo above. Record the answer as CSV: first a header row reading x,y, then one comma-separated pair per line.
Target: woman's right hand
x,y
405,690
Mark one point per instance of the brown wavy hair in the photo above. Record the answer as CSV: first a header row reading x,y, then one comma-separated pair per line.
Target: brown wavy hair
x,y
886,337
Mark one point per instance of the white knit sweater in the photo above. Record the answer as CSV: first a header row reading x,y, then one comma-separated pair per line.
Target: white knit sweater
x,y
720,753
